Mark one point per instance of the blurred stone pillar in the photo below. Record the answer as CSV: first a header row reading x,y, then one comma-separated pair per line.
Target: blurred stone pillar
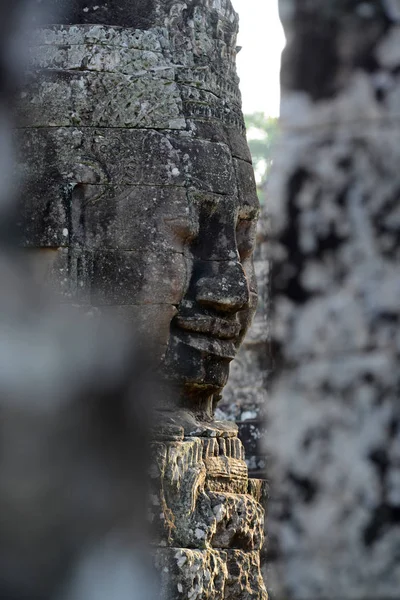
x,y
333,418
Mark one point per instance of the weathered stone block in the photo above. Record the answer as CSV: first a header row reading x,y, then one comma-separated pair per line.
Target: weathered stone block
x,y
244,581
131,157
67,273
198,102
65,36
89,155
213,130
203,575
82,99
240,521
44,213
208,166
126,277
131,217
191,574
74,52
118,14
182,513
226,474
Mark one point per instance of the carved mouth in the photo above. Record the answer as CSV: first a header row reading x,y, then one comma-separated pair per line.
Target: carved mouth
x,y
209,345
210,326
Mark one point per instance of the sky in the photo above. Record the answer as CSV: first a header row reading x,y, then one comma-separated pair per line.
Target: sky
x,y
262,40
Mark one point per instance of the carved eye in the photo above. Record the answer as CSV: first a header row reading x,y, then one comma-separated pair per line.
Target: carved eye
x,y
246,232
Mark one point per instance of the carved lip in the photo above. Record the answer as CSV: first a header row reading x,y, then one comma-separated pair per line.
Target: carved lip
x,y
209,345
211,326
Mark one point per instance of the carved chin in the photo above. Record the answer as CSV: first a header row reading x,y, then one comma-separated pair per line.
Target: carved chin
x,y
198,366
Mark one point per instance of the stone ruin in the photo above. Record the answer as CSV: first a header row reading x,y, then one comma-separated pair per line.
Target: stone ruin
x,y
140,201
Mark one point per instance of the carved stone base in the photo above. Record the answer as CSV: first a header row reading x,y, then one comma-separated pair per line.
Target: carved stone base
x,y
209,575
206,516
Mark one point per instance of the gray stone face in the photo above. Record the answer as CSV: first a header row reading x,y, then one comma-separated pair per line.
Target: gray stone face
x,y
139,200
333,419
134,159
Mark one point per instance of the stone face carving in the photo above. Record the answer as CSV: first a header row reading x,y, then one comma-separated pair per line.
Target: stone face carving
x,y
141,196
333,415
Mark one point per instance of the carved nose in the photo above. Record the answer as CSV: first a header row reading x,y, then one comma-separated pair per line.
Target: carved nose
x,y
223,287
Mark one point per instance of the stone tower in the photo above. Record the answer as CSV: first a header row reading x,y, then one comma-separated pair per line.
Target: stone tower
x,y
140,200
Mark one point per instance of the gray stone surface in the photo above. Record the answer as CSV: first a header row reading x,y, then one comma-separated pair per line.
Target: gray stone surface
x,y
139,200
245,396
333,418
